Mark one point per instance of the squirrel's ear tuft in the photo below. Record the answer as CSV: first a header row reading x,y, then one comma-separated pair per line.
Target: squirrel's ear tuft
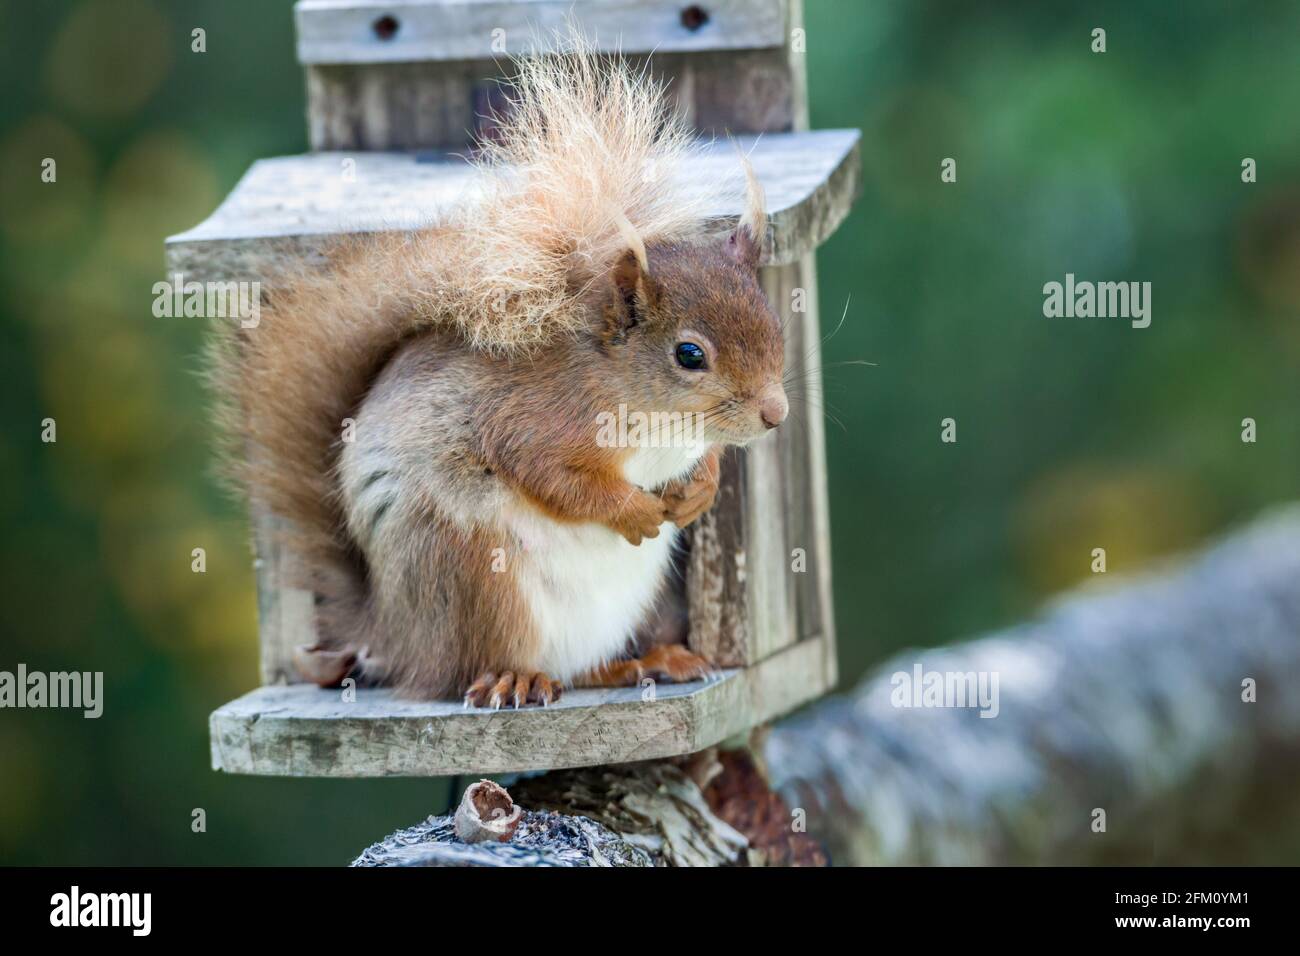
x,y
745,244
635,245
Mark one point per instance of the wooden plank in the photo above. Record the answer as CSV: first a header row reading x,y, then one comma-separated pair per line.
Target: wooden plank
x,y
792,439
304,731
716,596
409,106
384,31
812,498
401,106
446,104
771,621
290,207
803,452
779,470
286,614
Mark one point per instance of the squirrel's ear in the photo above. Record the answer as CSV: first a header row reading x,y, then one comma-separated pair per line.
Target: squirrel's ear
x,y
744,247
745,244
633,293
634,289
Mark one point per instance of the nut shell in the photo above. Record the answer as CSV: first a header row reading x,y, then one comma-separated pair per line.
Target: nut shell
x,y
486,812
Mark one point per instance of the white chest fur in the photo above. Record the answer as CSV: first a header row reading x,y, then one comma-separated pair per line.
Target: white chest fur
x,y
588,588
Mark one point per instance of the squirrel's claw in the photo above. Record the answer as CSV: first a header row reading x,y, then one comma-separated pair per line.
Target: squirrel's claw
x,y
544,691
513,688
477,695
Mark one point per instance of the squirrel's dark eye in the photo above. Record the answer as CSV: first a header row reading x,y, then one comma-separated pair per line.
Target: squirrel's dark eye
x,y
690,355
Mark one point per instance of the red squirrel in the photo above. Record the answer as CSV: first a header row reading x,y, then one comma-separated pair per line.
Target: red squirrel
x,y
424,413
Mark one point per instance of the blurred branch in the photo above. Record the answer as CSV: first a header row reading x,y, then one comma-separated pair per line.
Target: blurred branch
x,y
1126,698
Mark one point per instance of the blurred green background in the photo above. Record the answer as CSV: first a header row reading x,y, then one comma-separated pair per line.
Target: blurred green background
x,y
1072,434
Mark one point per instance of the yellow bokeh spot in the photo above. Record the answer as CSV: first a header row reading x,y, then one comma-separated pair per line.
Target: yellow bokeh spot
x,y
1136,514
106,392
109,57
46,182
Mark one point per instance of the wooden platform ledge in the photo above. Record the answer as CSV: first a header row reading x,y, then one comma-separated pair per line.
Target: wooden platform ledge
x,y
302,731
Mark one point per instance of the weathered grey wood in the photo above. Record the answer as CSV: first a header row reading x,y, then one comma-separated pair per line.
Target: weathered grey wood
x,y
345,31
401,106
657,806
737,590
1126,698
435,83
413,106
716,597
796,502
807,492
304,731
291,207
773,476
285,613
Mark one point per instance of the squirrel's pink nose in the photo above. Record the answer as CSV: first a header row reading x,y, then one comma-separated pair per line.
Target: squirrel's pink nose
x,y
772,405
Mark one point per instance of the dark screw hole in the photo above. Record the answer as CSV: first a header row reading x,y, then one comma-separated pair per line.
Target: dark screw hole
x,y
694,17
385,27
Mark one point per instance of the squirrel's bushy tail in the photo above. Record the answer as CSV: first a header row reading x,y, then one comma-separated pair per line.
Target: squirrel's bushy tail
x,y
586,148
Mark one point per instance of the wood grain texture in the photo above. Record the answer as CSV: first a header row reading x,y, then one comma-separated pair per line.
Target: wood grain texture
x,y
807,499
716,597
289,208
436,82
817,594
773,475
344,31
286,614
304,731
412,106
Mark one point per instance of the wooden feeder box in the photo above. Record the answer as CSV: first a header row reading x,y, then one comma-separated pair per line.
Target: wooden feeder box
x,y
398,89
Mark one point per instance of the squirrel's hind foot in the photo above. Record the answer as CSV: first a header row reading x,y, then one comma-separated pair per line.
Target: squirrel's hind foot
x,y
671,663
328,666
514,689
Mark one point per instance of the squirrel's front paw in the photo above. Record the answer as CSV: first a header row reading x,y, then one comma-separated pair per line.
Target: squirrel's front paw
x,y
640,517
691,497
512,688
